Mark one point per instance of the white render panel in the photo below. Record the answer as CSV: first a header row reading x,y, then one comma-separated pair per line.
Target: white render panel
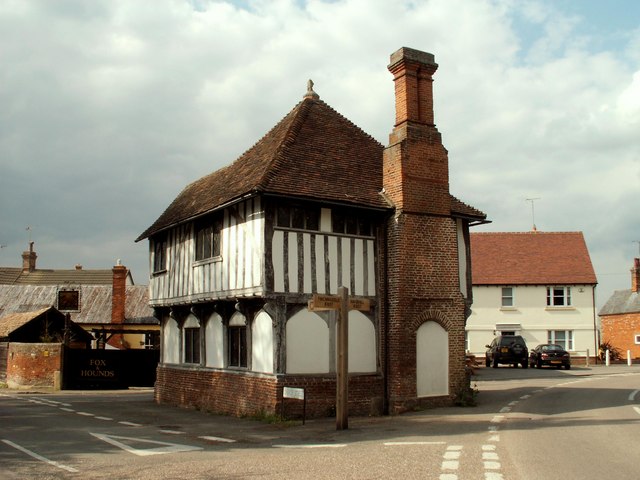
x,y
362,343
171,341
214,342
432,360
307,340
346,263
293,262
320,265
262,343
307,270
358,256
333,264
371,269
278,260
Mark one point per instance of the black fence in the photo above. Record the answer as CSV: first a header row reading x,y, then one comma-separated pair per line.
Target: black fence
x,y
108,369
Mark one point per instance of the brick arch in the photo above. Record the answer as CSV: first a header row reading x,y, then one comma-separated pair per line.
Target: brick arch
x,y
433,315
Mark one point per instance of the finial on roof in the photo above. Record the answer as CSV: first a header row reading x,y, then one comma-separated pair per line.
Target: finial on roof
x,y
310,93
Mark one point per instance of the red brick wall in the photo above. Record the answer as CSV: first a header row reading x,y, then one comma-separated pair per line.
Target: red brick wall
x,y
244,393
620,331
33,364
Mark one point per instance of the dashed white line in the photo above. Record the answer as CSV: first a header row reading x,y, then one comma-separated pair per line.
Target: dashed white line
x,y
637,410
130,424
632,395
392,444
319,445
217,439
86,414
172,432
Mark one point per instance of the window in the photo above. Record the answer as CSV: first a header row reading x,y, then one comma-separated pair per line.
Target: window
x,y
68,300
302,218
637,339
192,345
152,341
238,346
160,253
507,296
207,233
558,296
351,222
564,338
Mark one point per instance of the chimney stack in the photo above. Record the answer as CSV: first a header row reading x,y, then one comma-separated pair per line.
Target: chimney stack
x,y
29,259
415,164
118,294
635,276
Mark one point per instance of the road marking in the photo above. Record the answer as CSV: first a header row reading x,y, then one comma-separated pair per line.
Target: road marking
x,y
491,465
524,397
392,444
172,432
488,448
505,409
130,424
40,457
317,445
86,414
218,439
497,419
450,461
632,395
637,410
493,476
164,447
104,418
71,410
489,456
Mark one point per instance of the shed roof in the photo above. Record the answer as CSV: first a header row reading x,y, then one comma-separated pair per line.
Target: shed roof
x,y
16,276
531,258
11,322
313,153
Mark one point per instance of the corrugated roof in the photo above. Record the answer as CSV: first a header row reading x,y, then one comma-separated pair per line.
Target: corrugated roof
x,y
621,302
11,322
531,258
312,153
95,302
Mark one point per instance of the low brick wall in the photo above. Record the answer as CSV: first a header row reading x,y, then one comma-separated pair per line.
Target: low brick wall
x,y
34,365
246,393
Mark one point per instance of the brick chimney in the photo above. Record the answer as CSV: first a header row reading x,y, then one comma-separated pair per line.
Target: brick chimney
x,y
415,165
422,274
118,293
29,260
635,275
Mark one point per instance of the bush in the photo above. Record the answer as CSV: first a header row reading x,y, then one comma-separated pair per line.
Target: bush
x,y
614,352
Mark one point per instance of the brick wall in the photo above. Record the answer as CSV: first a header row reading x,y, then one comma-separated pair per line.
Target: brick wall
x,y
620,331
33,364
246,393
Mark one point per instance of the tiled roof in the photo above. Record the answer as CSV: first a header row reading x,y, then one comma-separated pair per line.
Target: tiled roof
x,y
312,153
622,302
531,258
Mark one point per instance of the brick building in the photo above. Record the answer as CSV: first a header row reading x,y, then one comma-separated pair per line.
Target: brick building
x,y
314,205
620,316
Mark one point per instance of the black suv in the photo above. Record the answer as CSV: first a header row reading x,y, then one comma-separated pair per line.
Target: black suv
x,y
507,349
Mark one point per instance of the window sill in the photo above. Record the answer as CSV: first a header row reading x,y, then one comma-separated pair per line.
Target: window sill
x,y
508,309
158,272
206,261
556,309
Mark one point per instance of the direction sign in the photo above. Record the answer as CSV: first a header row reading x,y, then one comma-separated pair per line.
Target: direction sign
x,y
332,302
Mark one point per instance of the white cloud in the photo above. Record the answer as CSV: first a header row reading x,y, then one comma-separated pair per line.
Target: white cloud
x,y
111,107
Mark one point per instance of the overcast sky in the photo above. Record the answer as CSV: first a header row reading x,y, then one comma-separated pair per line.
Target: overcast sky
x,y
109,108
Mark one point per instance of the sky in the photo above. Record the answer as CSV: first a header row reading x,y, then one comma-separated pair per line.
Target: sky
x,y
109,108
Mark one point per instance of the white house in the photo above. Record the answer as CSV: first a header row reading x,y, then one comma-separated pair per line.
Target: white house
x,y
540,285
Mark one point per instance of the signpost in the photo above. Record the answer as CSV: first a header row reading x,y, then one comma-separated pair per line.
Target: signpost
x,y
342,303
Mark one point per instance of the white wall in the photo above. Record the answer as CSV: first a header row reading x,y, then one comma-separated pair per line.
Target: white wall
x,y
307,343
262,343
214,341
362,343
531,314
170,341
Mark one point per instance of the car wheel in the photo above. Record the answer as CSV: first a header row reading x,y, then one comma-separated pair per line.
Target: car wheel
x,y
486,361
525,364
495,362
539,364
568,367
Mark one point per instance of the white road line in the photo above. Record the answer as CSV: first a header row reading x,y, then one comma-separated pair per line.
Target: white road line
x,y
130,424
493,476
488,448
40,457
632,395
218,439
318,445
104,418
70,410
393,444
524,397
505,409
490,456
163,448
637,410
497,419
172,432
86,414
491,465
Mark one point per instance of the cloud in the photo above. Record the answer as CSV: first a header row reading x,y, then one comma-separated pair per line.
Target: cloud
x,y
111,107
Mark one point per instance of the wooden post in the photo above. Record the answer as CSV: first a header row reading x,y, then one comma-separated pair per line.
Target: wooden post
x,y
342,373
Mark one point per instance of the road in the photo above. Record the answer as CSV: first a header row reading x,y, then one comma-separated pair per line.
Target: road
x,y
529,424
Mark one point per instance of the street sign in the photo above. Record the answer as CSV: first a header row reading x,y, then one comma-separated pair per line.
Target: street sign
x,y
332,302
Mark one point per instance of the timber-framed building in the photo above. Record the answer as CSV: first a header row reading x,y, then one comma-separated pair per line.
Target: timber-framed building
x,y
316,204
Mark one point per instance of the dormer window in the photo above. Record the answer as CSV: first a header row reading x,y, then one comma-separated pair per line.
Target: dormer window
x,y
160,253
68,300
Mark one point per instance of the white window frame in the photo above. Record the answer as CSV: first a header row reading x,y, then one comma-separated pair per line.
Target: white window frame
x,y
552,295
504,297
567,343
636,338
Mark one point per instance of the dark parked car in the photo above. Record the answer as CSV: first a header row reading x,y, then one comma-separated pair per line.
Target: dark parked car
x,y
507,349
549,354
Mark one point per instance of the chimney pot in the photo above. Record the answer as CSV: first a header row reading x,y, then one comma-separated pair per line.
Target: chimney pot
x,y
29,259
78,266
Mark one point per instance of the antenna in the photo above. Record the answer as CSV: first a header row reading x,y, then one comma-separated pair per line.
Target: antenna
x,y
28,229
638,242
533,215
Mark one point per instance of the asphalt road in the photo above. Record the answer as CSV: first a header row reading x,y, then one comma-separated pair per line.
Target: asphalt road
x,y
528,424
